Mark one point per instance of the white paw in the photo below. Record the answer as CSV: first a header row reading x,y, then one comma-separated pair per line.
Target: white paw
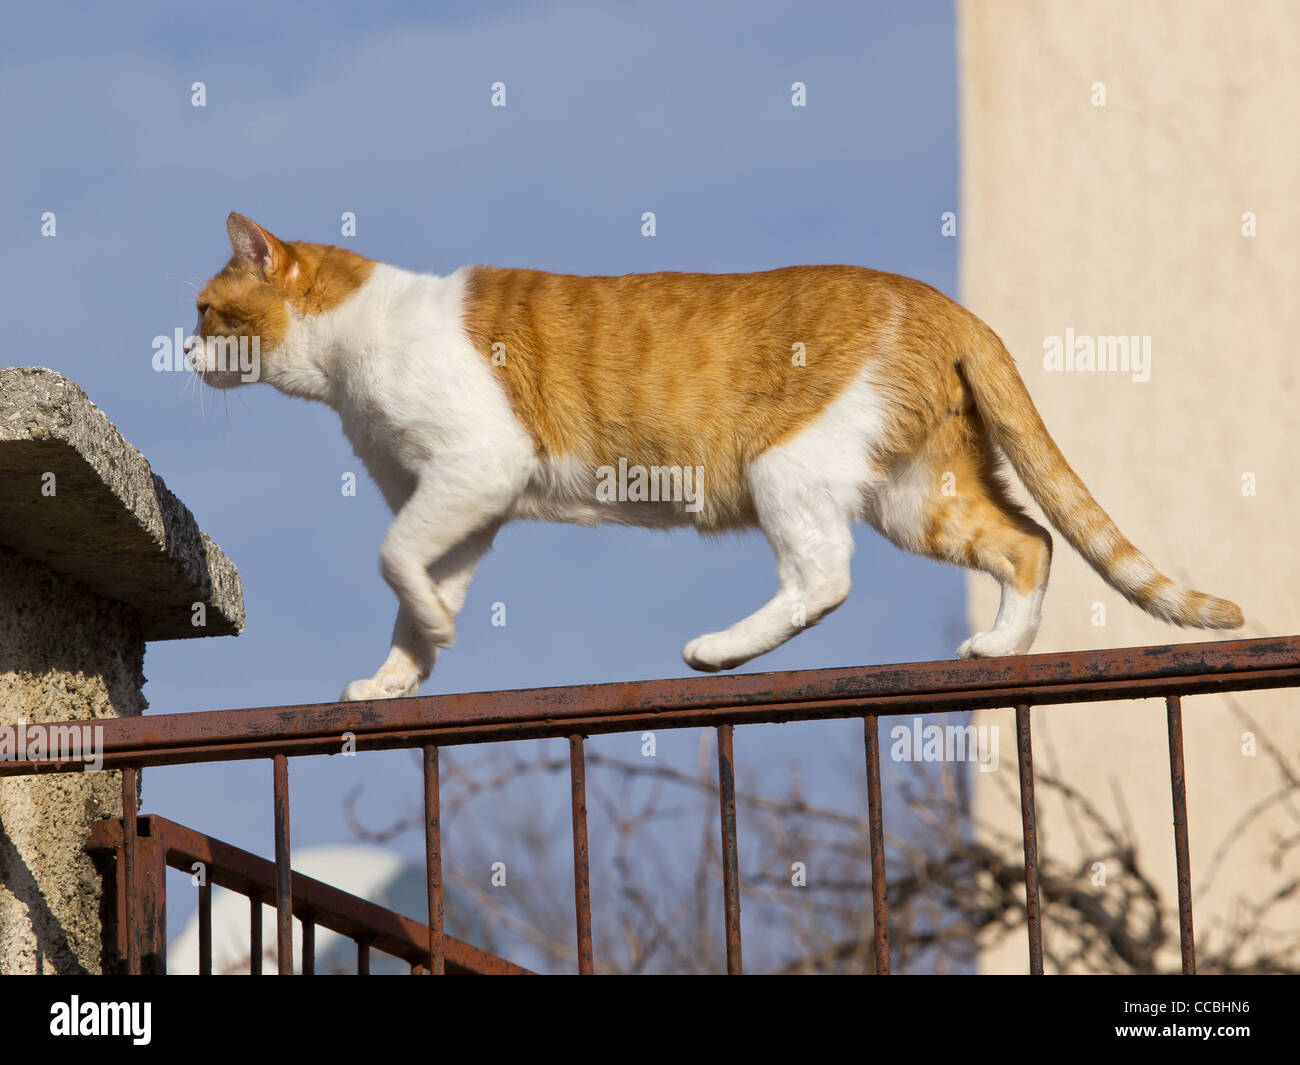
x,y
993,644
379,687
712,652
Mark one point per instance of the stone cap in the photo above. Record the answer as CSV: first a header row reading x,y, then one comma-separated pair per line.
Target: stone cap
x,y
111,522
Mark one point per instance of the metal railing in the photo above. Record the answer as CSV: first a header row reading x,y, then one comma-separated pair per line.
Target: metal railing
x,y
433,722
160,844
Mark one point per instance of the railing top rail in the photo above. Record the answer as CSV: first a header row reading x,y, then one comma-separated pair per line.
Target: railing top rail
x,y
477,717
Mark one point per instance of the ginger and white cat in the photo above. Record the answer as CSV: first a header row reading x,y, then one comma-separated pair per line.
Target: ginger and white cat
x,y
801,399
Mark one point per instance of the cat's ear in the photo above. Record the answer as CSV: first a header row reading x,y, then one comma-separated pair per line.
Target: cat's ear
x,y
255,247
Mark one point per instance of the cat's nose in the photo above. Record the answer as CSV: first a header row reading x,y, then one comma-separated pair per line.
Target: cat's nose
x,y
194,353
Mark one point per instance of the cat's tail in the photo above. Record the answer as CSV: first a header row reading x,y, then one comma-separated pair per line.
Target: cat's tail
x,y
1015,425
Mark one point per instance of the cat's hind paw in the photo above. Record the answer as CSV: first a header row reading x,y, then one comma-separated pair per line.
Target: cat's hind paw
x,y
994,644
713,652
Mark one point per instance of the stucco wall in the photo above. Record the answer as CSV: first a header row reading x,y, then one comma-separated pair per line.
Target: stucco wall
x,y
1127,219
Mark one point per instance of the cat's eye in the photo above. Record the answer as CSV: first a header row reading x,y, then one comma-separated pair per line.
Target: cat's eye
x,y
203,309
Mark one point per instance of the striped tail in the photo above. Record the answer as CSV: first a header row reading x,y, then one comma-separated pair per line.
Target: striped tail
x,y
1014,423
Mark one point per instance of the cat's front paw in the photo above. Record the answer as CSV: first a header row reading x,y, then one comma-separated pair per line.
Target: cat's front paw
x,y
378,688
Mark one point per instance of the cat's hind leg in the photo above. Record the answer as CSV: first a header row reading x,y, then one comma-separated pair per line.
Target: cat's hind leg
x,y
979,527
810,531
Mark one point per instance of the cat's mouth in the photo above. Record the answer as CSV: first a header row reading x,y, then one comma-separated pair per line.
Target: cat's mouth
x,y
224,362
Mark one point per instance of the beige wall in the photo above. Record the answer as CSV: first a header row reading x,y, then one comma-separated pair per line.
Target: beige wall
x,y
1127,219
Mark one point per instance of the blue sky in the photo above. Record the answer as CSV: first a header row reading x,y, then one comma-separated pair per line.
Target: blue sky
x,y
383,109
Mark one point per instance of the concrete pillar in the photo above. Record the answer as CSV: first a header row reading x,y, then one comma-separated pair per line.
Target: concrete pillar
x,y
96,557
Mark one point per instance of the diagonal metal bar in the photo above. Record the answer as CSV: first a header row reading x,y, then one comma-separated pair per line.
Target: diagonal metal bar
x,y
251,875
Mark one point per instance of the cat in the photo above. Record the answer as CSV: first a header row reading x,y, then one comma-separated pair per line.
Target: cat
x,y
796,400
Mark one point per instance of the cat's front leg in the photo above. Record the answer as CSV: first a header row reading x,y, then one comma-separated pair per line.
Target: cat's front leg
x,y
412,654
407,666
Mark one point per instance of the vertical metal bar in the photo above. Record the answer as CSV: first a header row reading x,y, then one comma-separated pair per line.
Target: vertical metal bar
x,y
1178,787
119,902
283,885
255,935
730,861
876,833
363,957
308,946
1025,756
130,828
151,864
432,859
581,867
205,928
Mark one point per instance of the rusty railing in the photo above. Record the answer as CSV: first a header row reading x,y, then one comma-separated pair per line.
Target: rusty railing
x,y
160,844
572,713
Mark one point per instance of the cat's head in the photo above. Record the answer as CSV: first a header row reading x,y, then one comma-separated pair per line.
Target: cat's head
x,y
248,311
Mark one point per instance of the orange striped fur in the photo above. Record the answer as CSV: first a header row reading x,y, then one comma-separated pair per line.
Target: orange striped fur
x,y
696,369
